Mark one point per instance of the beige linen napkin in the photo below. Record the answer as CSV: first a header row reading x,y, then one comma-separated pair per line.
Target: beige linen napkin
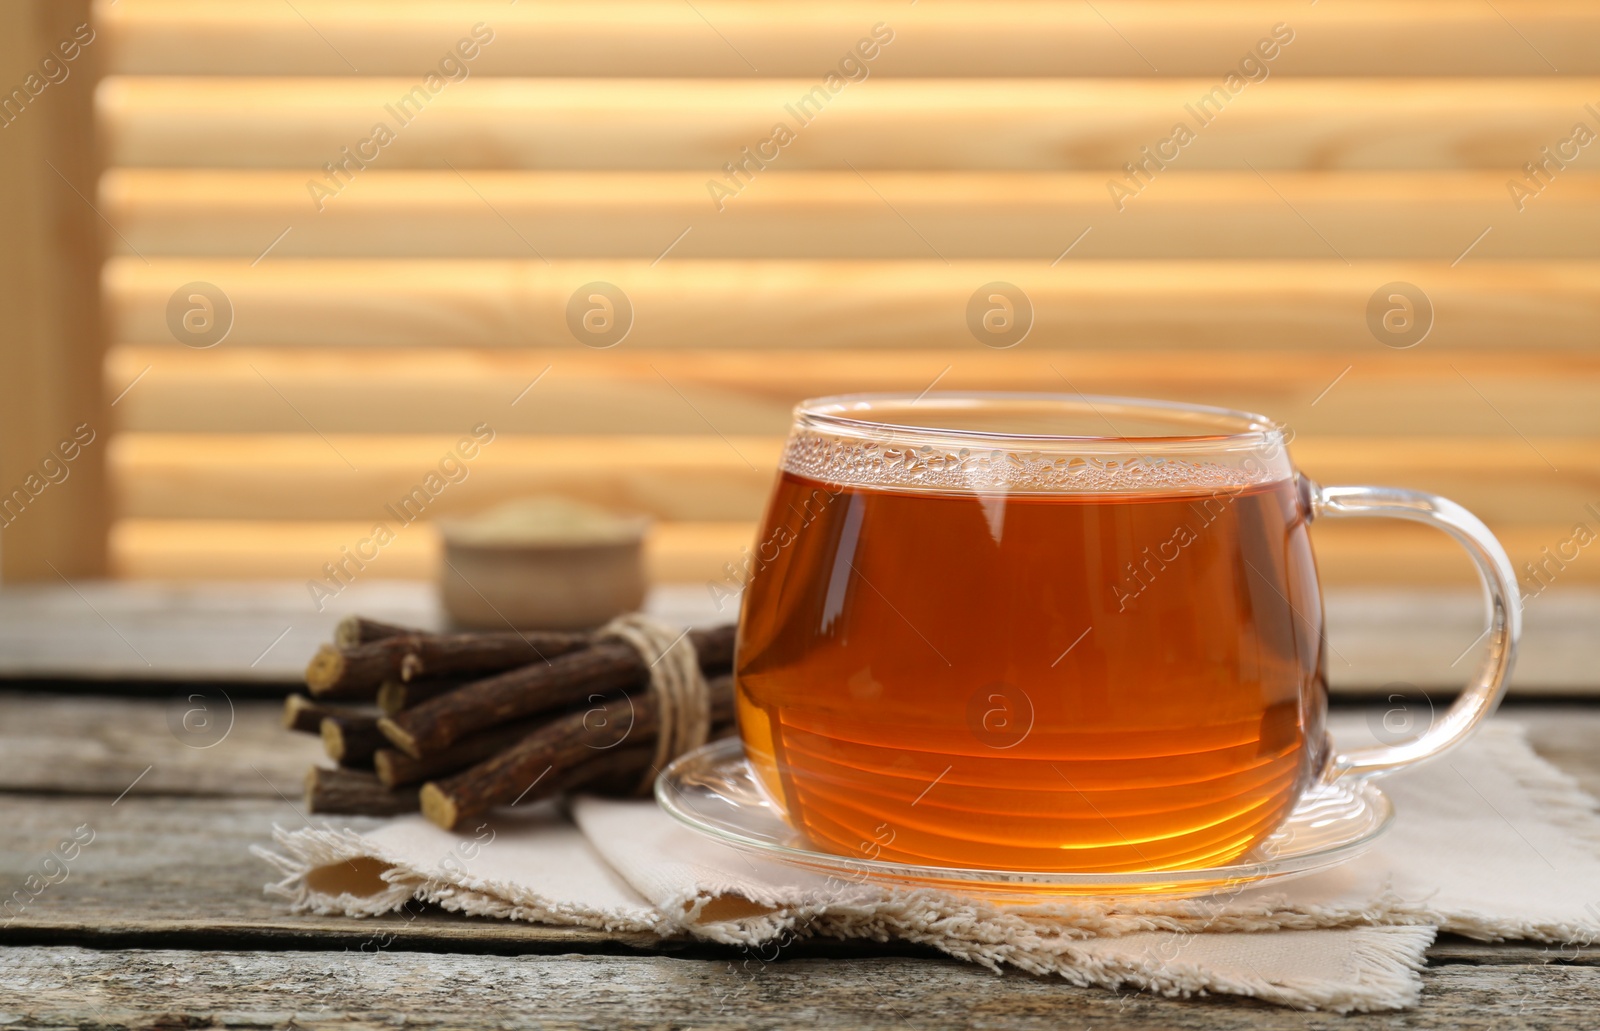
x,y
1490,841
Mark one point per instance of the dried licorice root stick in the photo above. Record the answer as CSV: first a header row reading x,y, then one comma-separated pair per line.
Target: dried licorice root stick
x,y
605,668
562,745
621,774
351,740
354,792
354,630
396,695
608,773
357,672
395,768
611,772
302,714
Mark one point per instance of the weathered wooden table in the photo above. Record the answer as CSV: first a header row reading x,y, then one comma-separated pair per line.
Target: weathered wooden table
x,y
161,920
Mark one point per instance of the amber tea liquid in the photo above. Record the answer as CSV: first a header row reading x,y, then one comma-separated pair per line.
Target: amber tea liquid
x,y
1106,682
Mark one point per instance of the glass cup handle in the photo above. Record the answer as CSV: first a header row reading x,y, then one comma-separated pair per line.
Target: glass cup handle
x,y
1483,692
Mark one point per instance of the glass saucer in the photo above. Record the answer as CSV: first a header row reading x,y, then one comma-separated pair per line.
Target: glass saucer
x,y
714,791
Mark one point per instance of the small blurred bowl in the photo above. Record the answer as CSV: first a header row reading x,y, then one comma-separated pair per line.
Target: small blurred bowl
x,y
543,563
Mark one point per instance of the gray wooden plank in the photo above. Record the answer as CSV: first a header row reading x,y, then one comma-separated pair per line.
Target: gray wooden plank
x,y
85,989
203,742
262,632
1450,948
177,872
151,860
239,632
98,744
265,632
1387,640
181,869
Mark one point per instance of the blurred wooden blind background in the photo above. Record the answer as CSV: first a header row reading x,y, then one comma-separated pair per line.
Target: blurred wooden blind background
x,y
433,285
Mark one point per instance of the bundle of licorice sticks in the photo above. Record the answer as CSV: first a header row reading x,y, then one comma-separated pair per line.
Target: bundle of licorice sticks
x,y
455,724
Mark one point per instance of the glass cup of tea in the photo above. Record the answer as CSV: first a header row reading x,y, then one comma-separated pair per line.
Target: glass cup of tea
x,y
1057,633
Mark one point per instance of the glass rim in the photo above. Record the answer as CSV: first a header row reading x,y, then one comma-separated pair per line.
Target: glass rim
x,y
1215,428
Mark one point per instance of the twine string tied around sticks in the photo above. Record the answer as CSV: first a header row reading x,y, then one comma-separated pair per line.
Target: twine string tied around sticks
x,y
681,693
